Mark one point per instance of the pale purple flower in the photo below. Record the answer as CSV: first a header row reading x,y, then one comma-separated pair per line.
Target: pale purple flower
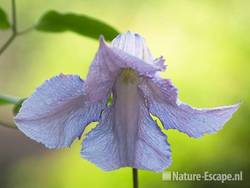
x,y
60,109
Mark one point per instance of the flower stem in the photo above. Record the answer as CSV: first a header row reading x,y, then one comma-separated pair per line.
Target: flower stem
x,y
135,178
7,43
15,32
13,27
14,19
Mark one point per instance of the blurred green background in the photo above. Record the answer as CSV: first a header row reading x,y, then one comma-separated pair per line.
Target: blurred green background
x,y
207,47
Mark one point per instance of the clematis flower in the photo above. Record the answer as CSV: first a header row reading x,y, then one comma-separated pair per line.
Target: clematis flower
x,y
60,109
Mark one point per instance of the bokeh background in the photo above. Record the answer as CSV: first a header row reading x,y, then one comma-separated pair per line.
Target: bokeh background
x,y
207,47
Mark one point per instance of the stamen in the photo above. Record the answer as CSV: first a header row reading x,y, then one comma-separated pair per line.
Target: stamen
x,y
128,75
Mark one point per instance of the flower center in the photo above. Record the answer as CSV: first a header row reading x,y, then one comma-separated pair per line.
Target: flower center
x,y
129,76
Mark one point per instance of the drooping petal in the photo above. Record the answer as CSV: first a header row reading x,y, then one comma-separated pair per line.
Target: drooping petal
x,y
195,122
57,112
109,150
126,134
109,61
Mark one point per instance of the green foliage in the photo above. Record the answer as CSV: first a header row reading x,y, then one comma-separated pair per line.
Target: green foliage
x,y
53,21
4,23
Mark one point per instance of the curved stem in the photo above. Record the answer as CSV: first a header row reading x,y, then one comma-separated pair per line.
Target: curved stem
x,y
7,43
15,32
14,19
135,178
27,30
14,28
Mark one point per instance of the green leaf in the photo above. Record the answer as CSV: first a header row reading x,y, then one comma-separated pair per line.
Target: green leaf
x,y
4,23
53,21
8,100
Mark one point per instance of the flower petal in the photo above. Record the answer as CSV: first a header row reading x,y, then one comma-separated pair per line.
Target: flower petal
x,y
104,146
57,112
195,122
127,135
133,44
107,65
